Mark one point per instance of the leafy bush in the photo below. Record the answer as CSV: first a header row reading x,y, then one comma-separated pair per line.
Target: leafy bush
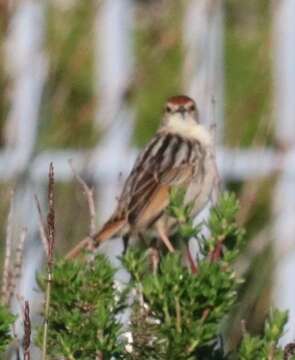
x,y
266,346
176,311
183,308
6,320
83,308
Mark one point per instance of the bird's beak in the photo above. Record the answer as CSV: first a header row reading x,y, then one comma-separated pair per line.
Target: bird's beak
x,y
182,111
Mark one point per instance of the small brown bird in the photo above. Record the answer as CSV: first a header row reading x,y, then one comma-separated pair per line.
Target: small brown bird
x,y
181,153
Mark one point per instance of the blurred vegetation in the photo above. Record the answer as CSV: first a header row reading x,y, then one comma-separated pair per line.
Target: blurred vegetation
x,y
68,102
265,347
248,73
158,63
6,321
73,223
5,191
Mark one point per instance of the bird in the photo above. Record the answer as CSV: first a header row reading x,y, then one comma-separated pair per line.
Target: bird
x,y
180,154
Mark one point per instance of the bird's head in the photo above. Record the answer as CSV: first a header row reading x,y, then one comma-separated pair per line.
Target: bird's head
x,y
180,109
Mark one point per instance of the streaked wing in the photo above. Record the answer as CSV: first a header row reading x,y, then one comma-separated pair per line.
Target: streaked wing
x,y
167,160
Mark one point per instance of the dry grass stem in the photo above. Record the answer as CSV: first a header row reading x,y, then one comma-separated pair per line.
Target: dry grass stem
x,y
87,242
7,260
50,216
16,271
42,225
27,332
90,199
51,243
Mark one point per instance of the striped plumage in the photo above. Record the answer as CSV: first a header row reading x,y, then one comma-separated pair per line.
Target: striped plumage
x,y
180,154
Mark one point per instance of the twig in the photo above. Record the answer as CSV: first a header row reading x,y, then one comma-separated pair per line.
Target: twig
x,y
87,242
51,243
216,253
42,225
178,315
19,252
50,216
7,260
90,199
27,332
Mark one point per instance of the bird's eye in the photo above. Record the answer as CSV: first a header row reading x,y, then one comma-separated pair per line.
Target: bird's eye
x,y
168,109
192,107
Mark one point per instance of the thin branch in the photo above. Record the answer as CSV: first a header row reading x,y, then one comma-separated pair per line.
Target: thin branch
x,y
51,243
216,253
87,242
50,216
90,199
19,252
42,225
27,332
7,260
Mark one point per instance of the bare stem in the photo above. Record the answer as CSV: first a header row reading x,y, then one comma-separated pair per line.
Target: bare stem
x,y
51,243
42,226
7,260
46,312
90,199
16,271
87,242
27,332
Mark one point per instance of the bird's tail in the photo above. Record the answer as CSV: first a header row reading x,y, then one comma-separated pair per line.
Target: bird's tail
x,y
109,230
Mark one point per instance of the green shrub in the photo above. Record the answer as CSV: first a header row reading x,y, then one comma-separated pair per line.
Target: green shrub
x,y
84,303
6,320
176,311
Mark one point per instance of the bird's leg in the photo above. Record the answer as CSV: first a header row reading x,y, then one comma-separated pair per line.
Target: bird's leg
x,y
154,258
163,236
125,243
190,260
